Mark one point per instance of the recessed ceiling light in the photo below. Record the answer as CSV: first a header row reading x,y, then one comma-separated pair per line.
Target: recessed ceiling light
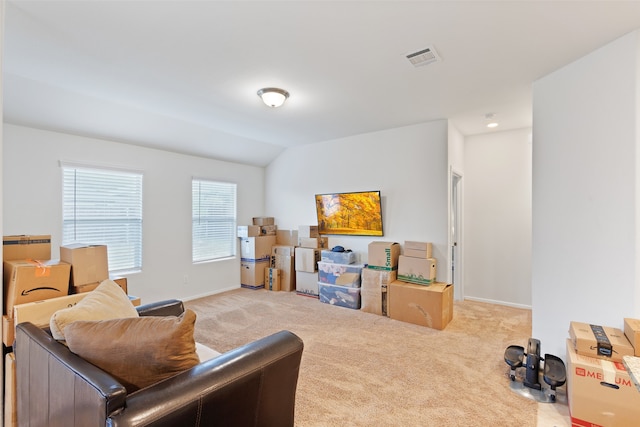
x,y
491,120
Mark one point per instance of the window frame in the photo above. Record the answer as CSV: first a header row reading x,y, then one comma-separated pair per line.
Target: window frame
x,y
131,261
227,248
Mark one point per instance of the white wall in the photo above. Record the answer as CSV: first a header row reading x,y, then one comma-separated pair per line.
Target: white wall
x,y
33,204
408,165
497,217
585,193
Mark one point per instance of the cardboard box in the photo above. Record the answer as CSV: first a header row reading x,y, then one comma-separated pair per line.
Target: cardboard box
x,y
10,393
283,250
373,291
89,263
418,249
39,312
26,247
420,271
263,220
313,242
120,281
327,255
287,273
430,306
287,237
27,281
8,330
248,230
252,273
600,392
632,332
268,230
307,259
600,341
256,248
343,296
272,279
307,284
340,274
308,231
383,255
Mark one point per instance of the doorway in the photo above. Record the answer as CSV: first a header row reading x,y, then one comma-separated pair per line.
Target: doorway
x,y
455,236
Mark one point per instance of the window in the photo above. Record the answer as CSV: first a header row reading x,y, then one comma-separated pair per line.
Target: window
x,y
213,220
104,207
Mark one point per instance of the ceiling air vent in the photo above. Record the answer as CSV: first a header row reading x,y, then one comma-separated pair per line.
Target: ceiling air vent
x,y
423,57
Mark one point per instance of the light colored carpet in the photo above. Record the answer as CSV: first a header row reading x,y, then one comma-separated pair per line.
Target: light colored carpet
x,y
361,369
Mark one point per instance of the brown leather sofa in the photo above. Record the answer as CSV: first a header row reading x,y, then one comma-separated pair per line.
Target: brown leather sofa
x,y
252,385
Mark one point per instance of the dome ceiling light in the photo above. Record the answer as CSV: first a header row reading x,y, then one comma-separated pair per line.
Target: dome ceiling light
x,y
272,96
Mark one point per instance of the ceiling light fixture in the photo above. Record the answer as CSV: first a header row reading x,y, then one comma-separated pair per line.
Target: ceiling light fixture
x,y
491,120
272,96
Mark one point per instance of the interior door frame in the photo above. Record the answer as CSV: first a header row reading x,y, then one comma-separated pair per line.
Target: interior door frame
x,y
455,253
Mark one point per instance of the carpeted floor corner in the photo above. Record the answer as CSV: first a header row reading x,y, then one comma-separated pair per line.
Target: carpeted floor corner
x,y
361,369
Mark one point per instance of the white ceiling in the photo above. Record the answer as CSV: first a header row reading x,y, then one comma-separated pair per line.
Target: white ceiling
x,y
183,75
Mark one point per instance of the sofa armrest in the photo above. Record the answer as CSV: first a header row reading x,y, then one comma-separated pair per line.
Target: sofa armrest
x,y
172,307
253,385
54,382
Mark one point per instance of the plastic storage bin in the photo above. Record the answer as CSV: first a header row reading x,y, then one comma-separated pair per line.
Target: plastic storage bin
x,y
338,257
340,274
343,296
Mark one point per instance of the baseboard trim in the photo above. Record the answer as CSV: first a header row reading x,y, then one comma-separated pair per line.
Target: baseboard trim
x,y
491,301
208,294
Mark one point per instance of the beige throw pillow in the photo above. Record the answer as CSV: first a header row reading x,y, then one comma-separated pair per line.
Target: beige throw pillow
x,y
138,352
107,301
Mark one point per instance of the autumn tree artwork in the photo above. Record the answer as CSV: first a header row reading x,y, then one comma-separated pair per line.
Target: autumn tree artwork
x,y
356,214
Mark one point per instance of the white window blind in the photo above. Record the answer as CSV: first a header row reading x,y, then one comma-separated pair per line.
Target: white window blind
x,y
104,207
214,230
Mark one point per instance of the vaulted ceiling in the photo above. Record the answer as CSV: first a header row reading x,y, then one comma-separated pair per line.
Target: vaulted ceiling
x,y
183,75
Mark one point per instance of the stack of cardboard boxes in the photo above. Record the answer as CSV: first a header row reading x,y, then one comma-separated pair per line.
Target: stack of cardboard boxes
x,y
417,264
267,255
281,267
310,244
33,278
601,387
403,287
381,270
30,275
256,242
36,286
339,278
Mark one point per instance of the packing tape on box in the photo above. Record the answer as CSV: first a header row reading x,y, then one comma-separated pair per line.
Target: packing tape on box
x,y
42,270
